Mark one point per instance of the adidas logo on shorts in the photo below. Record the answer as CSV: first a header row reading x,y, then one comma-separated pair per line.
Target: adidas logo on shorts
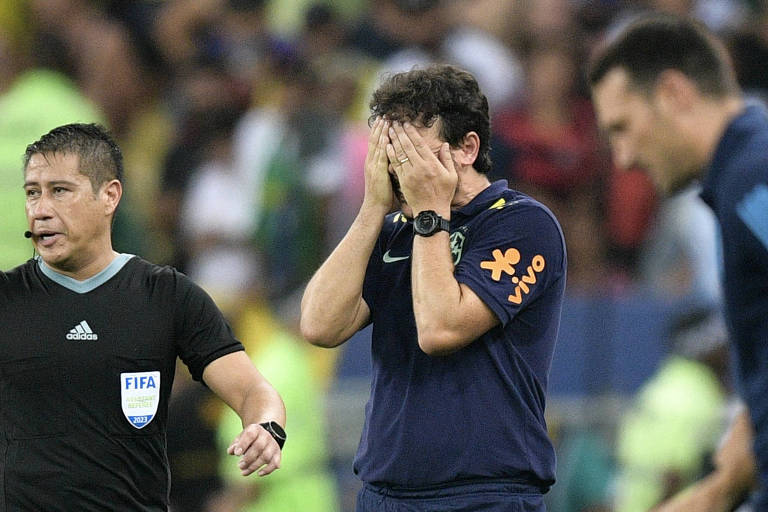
x,y
82,331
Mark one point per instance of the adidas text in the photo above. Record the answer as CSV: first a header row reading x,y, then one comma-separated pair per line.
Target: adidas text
x,y
82,336
82,331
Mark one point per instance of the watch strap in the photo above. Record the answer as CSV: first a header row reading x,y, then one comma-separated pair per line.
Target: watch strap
x,y
276,431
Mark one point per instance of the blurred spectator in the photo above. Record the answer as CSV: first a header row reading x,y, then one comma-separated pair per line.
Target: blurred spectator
x,y
551,132
323,32
629,209
193,453
12,40
305,481
666,438
680,258
41,95
748,44
584,473
293,146
407,33
293,216
495,17
552,152
285,17
677,7
216,214
497,68
206,100
142,115
389,26
148,137
103,57
232,33
722,15
546,20
732,482
336,172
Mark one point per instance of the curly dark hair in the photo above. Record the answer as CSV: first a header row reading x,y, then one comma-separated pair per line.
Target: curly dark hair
x,y
442,92
99,156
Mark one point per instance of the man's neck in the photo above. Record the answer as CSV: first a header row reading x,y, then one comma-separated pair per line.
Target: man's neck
x,y
471,183
81,272
713,119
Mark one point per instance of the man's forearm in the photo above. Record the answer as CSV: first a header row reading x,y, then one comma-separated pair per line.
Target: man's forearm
x,y
449,315
436,294
239,383
262,403
332,302
735,458
733,476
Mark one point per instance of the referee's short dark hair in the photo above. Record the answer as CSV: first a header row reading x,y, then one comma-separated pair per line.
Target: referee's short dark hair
x,y
99,156
654,43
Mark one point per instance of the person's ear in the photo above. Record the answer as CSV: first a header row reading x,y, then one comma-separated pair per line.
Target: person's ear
x,y
468,149
111,193
674,92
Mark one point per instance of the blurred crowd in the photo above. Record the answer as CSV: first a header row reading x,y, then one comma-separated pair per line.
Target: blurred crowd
x,y
244,121
244,127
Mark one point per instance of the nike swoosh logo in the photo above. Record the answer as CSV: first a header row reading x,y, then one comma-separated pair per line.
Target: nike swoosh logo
x,y
391,259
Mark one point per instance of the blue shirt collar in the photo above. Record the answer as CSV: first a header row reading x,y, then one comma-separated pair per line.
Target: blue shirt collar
x,y
89,284
753,116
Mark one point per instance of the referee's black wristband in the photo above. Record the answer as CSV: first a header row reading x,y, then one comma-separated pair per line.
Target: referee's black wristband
x,y
276,431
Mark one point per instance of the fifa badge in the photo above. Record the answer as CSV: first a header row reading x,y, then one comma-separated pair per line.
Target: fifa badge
x,y
140,394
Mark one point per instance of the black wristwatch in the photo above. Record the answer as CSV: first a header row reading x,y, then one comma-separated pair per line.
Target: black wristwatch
x,y
428,222
276,431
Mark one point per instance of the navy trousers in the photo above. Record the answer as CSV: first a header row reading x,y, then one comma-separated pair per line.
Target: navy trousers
x,y
473,497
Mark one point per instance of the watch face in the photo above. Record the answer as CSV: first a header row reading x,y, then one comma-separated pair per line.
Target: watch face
x,y
425,222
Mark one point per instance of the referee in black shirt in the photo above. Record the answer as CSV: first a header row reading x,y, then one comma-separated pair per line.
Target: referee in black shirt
x,y
88,346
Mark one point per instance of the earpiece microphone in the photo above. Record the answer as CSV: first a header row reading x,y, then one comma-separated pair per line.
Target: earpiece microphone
x,y
27,234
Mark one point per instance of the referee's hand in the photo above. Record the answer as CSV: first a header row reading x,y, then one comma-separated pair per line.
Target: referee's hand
x,y
257,449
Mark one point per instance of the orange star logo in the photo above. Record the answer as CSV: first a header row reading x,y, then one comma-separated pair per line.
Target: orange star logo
x,y
502,263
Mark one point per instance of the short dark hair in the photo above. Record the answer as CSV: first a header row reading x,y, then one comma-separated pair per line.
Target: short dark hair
x,y
100,158
442,92
654,43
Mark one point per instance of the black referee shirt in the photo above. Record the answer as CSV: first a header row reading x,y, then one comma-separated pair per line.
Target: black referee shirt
x,y
86,370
